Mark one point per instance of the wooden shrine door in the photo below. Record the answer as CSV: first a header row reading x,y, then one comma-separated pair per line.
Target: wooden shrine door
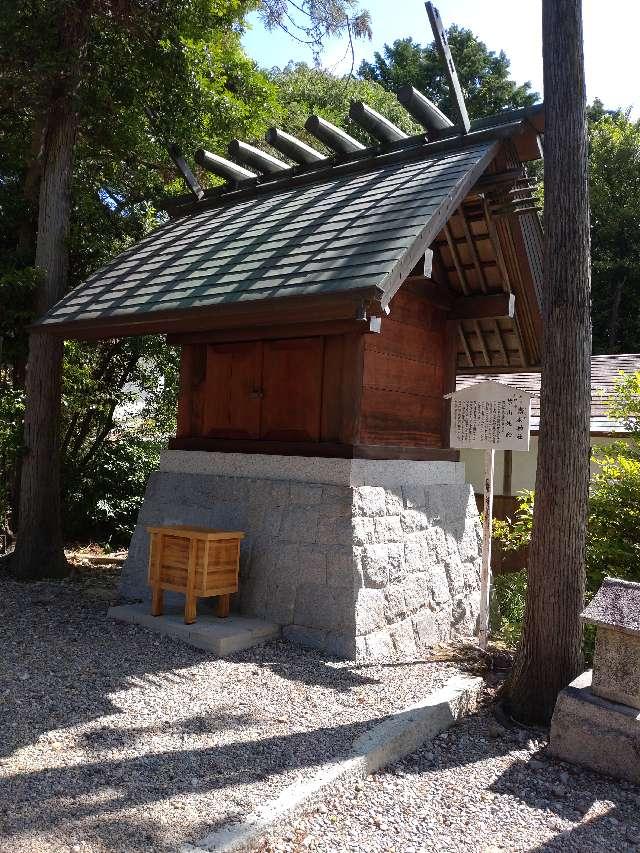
x,y
232,392
269,390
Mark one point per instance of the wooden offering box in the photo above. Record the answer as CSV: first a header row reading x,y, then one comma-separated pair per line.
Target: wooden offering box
x,y
198,562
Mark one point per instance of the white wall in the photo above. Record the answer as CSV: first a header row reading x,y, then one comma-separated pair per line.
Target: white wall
x,y
523,474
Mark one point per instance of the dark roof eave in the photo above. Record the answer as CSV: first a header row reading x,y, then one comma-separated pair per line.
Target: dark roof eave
x,y
324,307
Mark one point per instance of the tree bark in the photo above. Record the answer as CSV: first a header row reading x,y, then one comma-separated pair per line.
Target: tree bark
x,y
39,549
549,656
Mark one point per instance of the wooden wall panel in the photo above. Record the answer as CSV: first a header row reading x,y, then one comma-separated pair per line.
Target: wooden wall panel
x,y
404,375
232,395
292,385
400,419
191,395
332,379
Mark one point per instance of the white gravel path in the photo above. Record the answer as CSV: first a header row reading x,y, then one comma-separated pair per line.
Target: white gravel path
x,y
478,787
115,739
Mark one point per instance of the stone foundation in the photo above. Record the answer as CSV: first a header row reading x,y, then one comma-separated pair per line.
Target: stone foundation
x,y
364,559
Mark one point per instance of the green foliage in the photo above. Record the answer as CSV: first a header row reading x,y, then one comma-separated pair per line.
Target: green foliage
x,y
614,177
613,532
184,61
119,404
507,607
515,533
304,90
484,74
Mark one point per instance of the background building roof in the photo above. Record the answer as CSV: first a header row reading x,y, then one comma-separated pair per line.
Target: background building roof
x,y
605,369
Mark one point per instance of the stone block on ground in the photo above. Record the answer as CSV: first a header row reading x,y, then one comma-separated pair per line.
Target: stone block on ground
x,y
596,733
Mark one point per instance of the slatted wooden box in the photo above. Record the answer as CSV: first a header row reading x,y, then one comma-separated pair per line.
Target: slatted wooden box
x,y
198,562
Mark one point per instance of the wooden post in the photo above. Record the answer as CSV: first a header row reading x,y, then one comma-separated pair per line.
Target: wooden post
x,y
485,576
190,600
156,547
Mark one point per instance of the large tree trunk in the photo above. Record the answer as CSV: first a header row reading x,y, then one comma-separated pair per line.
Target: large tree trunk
x,y
39,550
550,652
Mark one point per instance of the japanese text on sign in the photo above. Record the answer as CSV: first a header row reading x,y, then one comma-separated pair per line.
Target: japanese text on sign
x,y
488,417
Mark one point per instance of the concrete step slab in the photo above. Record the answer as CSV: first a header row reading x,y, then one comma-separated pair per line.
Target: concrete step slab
x,y
220,636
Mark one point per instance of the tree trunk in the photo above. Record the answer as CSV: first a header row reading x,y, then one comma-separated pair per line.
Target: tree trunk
x,y
549,656
39,550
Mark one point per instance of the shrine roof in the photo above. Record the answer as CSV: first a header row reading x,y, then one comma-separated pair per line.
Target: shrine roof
x,y
349,232
352,227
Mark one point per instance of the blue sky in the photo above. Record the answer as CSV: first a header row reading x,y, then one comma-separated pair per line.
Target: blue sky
x,y
611,40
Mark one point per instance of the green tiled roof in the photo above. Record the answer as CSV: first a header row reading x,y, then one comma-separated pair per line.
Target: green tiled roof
x,y
342,233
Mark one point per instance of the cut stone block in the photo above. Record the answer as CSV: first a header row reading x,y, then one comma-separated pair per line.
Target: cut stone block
x,y
220,636
596,733
616,667
615,610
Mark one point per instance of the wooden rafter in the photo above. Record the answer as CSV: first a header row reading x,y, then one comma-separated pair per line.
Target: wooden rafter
x,y
483,343
482,279
497,248
455,255
465,344
500,340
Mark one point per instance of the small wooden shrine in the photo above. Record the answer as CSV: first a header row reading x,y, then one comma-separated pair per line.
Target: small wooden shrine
x,y
323,304
323,309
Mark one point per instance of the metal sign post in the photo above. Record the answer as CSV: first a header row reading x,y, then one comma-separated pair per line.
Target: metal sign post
x,y
489,416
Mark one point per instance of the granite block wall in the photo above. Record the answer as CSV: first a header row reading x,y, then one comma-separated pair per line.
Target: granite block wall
x,y
363,572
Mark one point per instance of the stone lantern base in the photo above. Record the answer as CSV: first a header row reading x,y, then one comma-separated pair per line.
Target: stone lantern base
x,y
595,732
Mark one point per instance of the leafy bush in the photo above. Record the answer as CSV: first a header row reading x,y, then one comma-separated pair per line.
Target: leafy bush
x,y
119,408
613,532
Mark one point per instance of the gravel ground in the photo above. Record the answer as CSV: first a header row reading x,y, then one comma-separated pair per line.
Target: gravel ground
x,y
478,787
115,739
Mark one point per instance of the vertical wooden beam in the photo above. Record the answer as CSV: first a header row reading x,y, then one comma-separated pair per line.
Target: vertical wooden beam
x,y
184,425
507,472
352,390
156,547
449,379
465,344
191,599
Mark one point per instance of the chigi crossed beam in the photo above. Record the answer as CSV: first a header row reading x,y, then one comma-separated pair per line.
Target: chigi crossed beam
x,y
248,163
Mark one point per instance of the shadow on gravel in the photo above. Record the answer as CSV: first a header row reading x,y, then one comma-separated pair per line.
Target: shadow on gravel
x,y
91,789
62,663
61,656
603,805
587,836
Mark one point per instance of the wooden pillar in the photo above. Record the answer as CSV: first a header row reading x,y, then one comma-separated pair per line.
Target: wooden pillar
x,y
507,472
450,367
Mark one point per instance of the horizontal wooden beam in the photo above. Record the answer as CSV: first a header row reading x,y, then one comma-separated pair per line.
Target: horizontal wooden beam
x,y
438,294
261,333
490,306
321,449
